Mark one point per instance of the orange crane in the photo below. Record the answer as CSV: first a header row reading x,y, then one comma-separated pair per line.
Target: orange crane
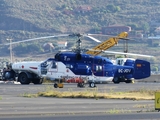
x,y
107,44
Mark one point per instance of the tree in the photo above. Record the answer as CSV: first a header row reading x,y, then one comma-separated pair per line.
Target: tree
x,y
144,26
113,8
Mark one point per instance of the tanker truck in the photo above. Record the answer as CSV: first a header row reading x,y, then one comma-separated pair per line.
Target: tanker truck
x,y
23,72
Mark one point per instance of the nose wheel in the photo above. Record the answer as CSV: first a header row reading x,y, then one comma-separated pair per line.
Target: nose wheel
x,y
55,85
58,85
92,84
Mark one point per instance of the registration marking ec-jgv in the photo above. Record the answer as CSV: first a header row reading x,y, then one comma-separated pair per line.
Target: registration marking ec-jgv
x,y
124,70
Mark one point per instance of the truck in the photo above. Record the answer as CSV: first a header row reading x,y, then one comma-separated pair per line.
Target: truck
x,y
23,72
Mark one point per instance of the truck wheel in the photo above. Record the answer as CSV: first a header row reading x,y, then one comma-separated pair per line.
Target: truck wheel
x,y
23,78
116,80
37,81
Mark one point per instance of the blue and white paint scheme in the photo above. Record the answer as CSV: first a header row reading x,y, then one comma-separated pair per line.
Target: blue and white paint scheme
x,y
94,68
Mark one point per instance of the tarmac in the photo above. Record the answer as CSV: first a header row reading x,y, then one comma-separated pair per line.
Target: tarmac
x,y
152,79
9,82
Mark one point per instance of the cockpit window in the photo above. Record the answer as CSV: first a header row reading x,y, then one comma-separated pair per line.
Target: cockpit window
x,y
46,63
54,64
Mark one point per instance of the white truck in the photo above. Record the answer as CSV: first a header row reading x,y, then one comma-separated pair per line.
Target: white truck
x,y
23,72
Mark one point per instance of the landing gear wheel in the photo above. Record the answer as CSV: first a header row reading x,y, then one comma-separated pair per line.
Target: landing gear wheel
x,y
116,80
55,85
92,84
80,85
23,78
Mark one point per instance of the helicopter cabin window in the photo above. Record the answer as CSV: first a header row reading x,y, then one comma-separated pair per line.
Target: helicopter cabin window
x,y
54,64
98,68
120,62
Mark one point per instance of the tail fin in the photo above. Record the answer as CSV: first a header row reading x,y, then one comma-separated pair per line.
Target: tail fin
x,y
141,69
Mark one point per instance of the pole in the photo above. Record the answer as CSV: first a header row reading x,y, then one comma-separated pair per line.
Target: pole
x,y
10,47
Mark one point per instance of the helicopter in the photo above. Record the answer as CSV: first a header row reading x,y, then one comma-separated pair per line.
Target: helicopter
x,y
100,69
77,66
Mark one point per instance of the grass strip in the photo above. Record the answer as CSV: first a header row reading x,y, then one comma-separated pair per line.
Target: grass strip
x,y
141,94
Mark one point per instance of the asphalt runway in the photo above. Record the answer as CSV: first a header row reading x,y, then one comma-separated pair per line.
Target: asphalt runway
x,y
13,104
129,116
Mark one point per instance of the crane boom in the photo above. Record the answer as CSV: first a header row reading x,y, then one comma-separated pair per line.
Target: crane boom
x,y
107,44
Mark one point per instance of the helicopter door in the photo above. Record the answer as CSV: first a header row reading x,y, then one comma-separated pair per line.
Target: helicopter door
x,y
53,66
98,70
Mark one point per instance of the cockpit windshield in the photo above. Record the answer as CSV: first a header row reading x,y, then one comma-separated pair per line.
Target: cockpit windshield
x,y
48,63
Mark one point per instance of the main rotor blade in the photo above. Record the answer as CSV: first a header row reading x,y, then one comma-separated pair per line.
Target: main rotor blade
x,y
111,36
65,50
93,38
33,39
100,35
133,54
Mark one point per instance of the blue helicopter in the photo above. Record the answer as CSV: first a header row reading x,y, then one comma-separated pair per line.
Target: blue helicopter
x,y
100,69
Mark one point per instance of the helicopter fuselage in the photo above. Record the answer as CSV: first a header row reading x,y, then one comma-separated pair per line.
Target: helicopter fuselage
x,y
95,68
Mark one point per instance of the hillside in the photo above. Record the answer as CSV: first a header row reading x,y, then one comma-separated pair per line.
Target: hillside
x,y
54,16
24,19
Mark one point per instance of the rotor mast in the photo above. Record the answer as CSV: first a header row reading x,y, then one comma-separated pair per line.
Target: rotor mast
x,y
78,48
